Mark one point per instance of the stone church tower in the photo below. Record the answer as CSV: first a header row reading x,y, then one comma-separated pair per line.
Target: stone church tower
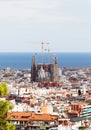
x,y
33,69
55,70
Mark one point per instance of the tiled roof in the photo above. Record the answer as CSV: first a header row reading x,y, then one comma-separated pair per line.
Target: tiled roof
x,y
59,92
20,116
31,116
81,103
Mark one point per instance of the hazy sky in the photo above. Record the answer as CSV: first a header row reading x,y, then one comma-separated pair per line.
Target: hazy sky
x,y
65,24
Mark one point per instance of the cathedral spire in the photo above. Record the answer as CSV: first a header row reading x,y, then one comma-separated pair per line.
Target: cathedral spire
x,y
33,69
55,60
55,70
34,60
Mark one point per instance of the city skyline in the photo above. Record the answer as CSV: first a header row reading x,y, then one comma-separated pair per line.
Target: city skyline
x,y
65,24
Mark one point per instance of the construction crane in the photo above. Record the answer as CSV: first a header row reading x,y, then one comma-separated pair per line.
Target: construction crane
x,y
42,49
48,55
42,43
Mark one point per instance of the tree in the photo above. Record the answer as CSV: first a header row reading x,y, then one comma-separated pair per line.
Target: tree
x,y
3,89
5,106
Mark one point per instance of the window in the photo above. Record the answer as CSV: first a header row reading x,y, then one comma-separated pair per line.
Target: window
x,y
25,116
15,116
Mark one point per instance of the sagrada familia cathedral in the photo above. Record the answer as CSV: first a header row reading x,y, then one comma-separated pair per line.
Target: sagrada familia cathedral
x,y
44,72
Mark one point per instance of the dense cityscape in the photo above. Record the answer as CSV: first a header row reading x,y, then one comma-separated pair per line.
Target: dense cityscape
x,y
45,65
48,97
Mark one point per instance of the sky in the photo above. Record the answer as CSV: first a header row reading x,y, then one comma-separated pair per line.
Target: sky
x,y
64,24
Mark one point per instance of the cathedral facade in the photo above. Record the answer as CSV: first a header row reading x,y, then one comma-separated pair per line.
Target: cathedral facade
x,y
44,72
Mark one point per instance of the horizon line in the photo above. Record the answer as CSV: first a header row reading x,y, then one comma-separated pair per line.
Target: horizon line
x,y
46,52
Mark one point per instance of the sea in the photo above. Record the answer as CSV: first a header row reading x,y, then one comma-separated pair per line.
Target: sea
x,y
18,60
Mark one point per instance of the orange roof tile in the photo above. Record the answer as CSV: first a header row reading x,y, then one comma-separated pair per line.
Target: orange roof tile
x,y
23,116
81,103
59,92
31,116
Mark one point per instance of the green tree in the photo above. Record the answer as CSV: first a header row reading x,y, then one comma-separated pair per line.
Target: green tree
x,y
5,106
3,89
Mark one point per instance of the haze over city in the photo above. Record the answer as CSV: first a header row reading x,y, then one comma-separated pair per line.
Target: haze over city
x,y
65,24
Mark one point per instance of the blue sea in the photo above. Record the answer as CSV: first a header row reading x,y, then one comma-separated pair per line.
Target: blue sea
x,y
24,60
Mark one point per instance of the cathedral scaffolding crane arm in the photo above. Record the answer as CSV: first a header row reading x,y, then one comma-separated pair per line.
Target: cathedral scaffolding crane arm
x,y
48,55
42,48
42,43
